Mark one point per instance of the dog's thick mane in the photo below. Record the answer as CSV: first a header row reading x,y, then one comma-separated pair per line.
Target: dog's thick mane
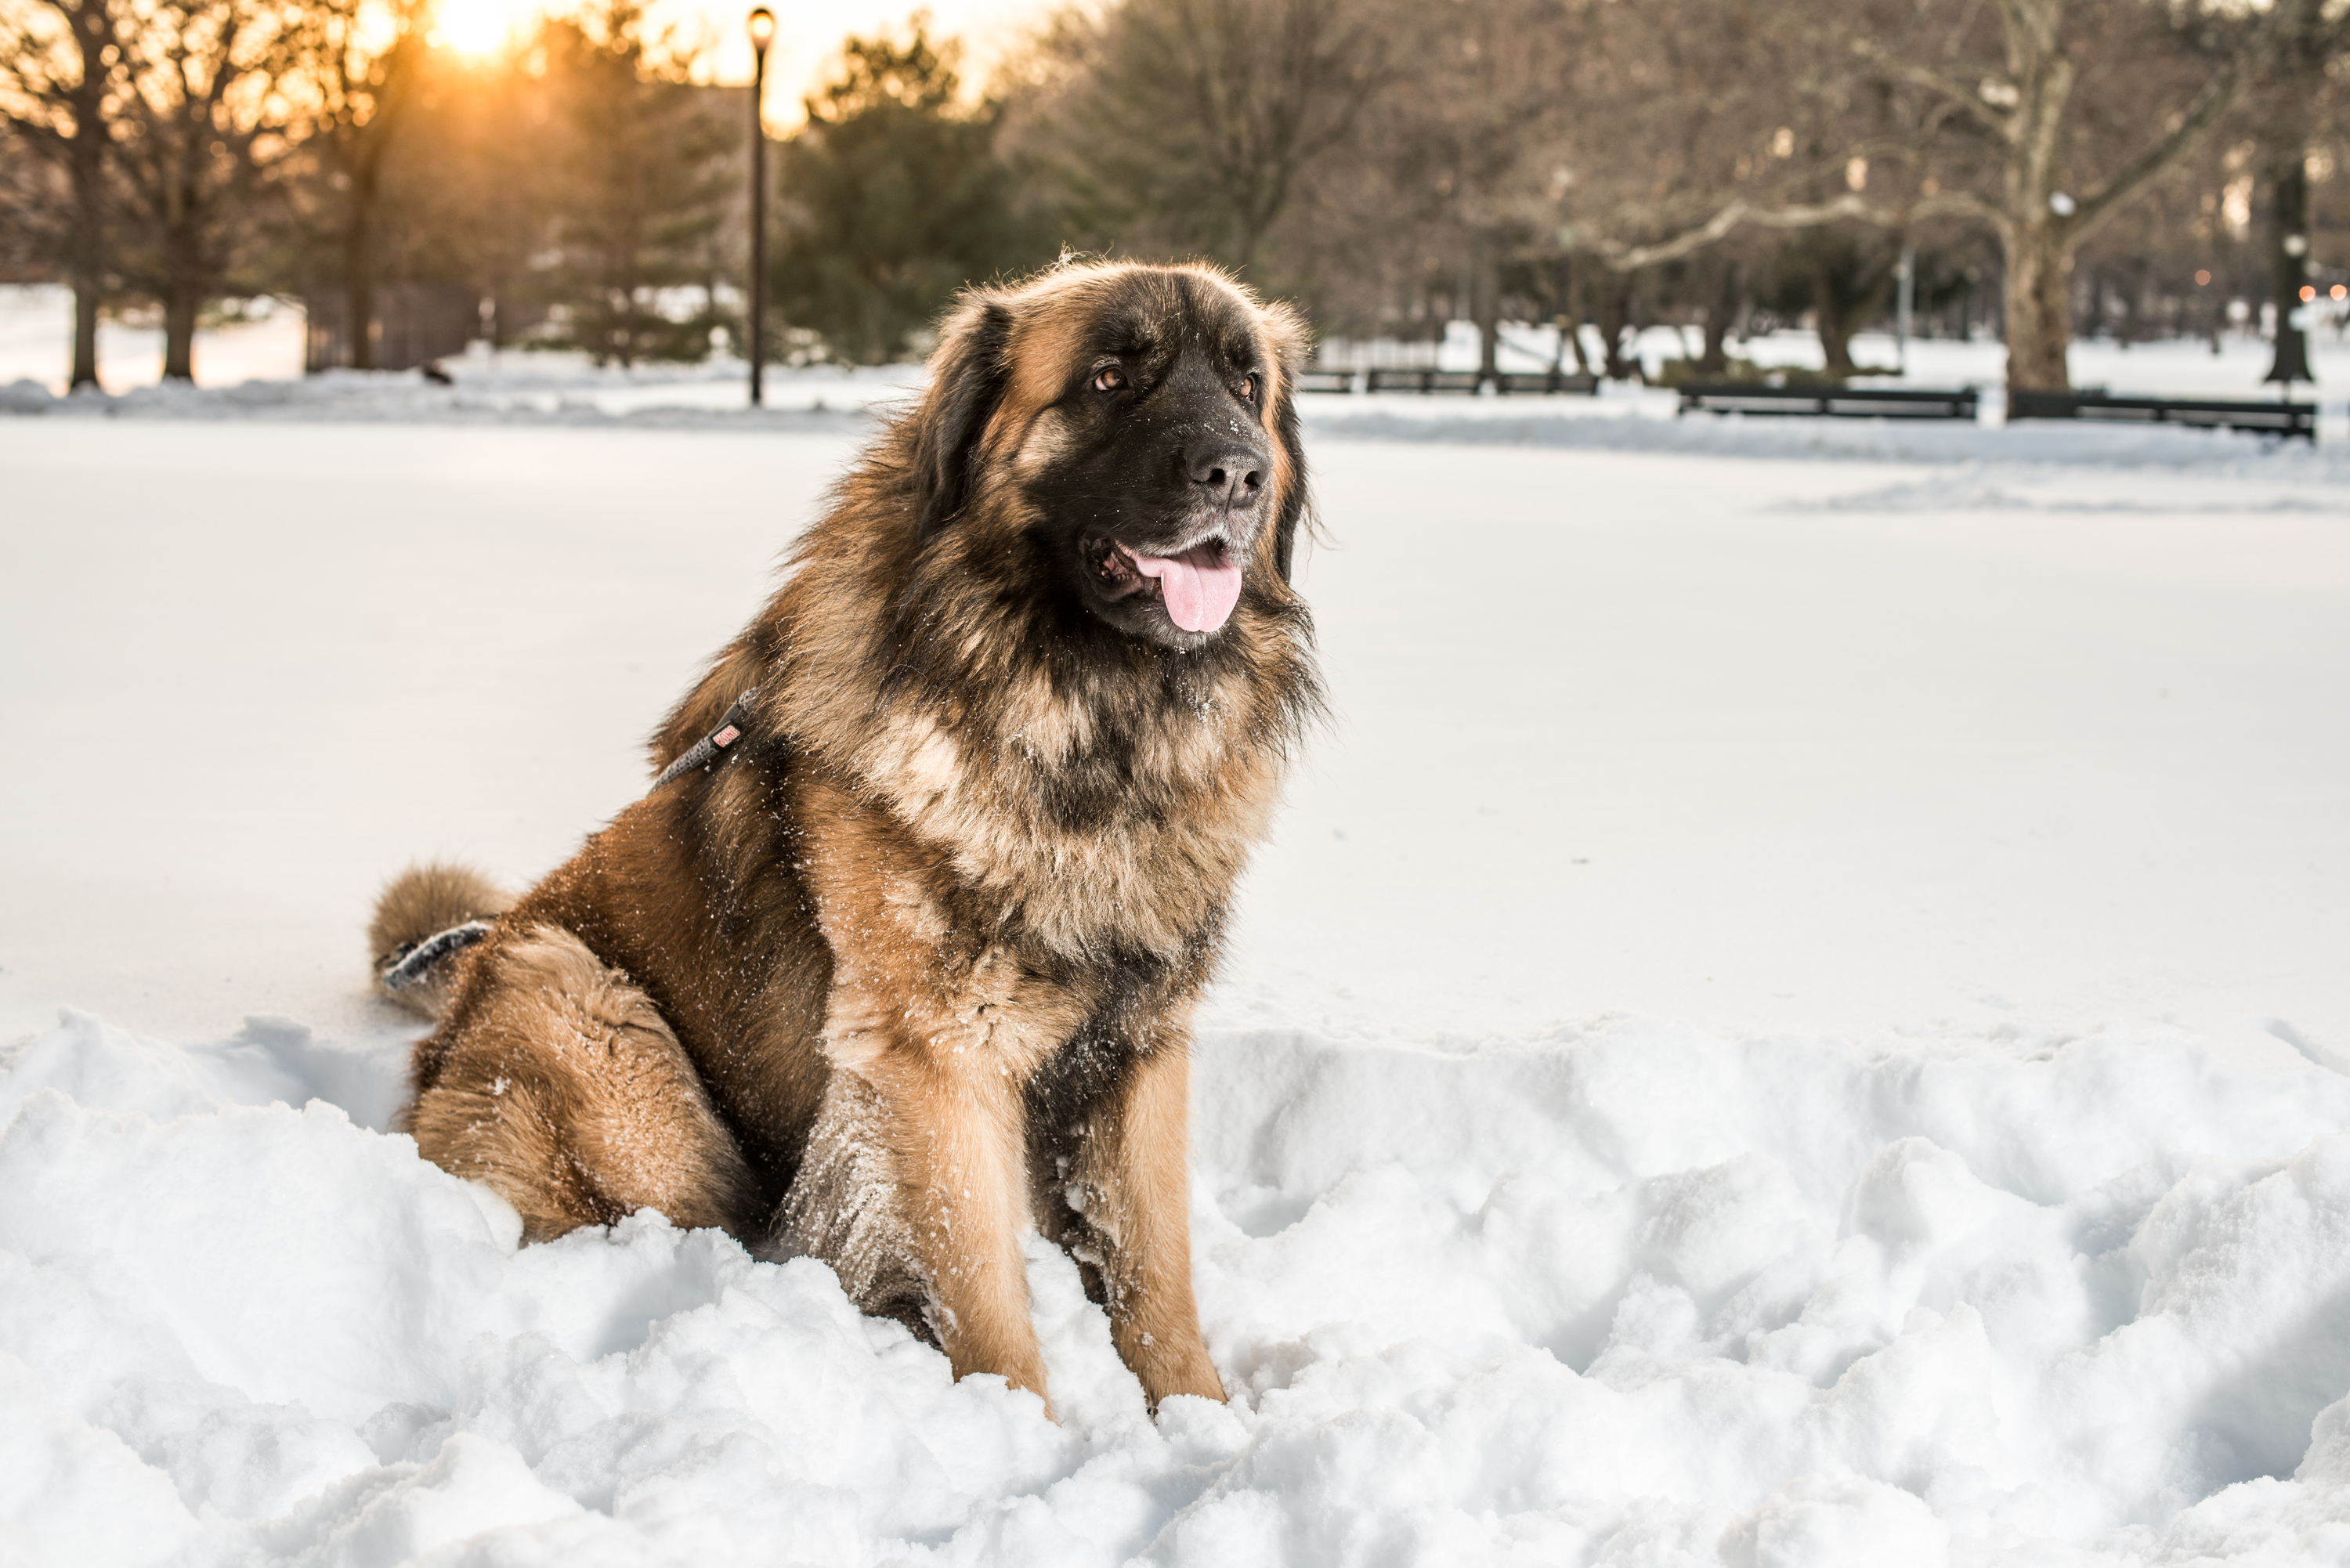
x,y
1134,772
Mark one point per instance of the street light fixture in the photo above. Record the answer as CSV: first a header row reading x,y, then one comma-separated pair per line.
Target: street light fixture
x,y
763,32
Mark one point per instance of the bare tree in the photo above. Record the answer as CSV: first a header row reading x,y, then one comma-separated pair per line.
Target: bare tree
x,y
2295,82
201,123
33,200
1488,92
58,74
356,68
2032,188
1672,106
2039,221
1196,124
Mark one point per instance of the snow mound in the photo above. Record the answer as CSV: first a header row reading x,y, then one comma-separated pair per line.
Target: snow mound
x,y
1629,1292
1646,423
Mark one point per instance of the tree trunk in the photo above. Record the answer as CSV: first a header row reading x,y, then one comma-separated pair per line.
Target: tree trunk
x,y
1614,320
179,336
2034,237
359,271
1719,317
1485,304
2039,308
85,347
1569,319
2296,77
86,268
2288,182
89,268
1832,317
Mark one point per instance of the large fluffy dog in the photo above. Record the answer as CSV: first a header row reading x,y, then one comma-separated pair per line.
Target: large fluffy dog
x,y
912,959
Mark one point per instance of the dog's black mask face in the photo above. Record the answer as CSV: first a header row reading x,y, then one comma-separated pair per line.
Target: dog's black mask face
x,y
1129,414
1156,473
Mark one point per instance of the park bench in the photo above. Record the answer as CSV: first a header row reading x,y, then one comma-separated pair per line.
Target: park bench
x,y
1422,381
1507,382
1518,382
1843,402
2287,419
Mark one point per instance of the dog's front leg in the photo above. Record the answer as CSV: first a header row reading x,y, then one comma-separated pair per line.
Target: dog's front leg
x,y
914,1185
951,1124
917,1170
1132,1182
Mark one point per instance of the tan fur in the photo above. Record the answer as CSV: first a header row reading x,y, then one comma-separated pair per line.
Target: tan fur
x,y
1130,1187
569,1098
422,901
911,967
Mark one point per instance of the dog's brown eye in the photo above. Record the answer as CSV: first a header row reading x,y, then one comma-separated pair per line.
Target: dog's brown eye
x,y
1108,380
1247,390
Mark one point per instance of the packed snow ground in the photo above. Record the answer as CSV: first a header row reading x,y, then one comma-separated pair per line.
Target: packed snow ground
x,y
1798,1017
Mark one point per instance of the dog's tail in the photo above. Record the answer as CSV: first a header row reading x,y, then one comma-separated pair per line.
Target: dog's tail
x,y
424,918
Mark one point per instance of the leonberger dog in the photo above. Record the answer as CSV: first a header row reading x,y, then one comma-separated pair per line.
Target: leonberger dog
x,y
899,955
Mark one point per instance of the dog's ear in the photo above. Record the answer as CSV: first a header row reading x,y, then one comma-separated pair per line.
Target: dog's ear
x,y
1286,334
968,373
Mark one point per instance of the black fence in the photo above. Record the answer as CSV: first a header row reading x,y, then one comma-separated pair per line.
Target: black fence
x,y
2287,419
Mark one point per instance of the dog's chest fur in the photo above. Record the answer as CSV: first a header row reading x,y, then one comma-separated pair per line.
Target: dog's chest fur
x,y
1068,811
1048,829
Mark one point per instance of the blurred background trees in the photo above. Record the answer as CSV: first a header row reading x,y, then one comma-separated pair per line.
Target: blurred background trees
x,y
2131,168
637,191
892,198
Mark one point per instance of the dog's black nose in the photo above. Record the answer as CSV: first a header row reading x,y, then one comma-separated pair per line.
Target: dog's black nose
x,y
1236,474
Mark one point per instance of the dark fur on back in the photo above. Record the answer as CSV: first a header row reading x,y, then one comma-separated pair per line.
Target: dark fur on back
x,y
934,928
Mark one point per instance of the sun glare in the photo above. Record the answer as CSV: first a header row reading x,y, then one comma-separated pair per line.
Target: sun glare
x,y
475,26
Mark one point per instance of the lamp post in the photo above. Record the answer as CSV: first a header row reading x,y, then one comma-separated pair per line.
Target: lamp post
x,y
763,32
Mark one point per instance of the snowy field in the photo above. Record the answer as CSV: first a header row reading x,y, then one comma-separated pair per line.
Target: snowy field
x,y
1799,1015
264,357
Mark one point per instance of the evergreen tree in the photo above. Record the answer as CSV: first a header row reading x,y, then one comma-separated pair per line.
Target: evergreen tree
x,y
893,197
641,190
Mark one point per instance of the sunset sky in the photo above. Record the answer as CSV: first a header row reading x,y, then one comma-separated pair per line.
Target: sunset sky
x,y
806,35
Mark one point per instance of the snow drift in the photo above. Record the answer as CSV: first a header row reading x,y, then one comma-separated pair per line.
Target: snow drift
x,y
1634,1293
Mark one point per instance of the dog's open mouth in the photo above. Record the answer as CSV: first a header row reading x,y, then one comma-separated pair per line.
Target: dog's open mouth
x,y
1199,587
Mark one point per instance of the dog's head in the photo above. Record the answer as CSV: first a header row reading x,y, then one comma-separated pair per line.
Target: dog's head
x,y
1137,423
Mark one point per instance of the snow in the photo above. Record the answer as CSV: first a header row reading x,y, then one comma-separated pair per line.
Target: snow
x,y
254,367
1796,1017
37,343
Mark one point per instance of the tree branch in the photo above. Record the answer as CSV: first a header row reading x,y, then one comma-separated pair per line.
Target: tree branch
x,y
1740,212
2217,96
1950,88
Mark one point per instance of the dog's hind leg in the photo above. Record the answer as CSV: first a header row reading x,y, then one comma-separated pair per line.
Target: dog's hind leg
x,y
556,1083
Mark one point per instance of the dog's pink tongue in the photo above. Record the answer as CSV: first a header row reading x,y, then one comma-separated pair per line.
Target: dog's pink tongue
x,y
1200,586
